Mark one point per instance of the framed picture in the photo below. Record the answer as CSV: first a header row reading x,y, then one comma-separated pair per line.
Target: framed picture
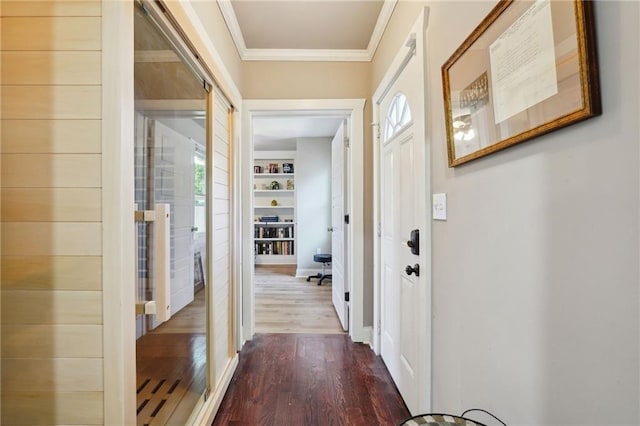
x,y
274,168
287,167
529,68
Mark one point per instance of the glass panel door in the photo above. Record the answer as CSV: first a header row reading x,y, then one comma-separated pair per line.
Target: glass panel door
x,y
170,193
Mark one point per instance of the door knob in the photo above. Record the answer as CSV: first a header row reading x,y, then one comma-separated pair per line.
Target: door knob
x,y
330,229
415,269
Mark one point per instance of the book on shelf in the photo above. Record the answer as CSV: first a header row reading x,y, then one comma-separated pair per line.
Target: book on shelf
x,y
274,232
278,248
269,219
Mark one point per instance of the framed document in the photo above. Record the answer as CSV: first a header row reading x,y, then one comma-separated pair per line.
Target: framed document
x,y
529,68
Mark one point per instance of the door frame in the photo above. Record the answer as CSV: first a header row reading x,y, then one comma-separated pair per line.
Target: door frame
x,y
393,72
353,109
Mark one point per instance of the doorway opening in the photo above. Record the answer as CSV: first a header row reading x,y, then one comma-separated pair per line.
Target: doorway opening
x,y
308,222
292,203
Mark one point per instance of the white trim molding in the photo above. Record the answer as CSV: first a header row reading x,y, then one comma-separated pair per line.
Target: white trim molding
x,y
210,407
353,109
381,25
118,231
368,336
323,55
229,16
304,273
301,55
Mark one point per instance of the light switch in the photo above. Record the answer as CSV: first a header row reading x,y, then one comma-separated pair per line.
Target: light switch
x,y
440,206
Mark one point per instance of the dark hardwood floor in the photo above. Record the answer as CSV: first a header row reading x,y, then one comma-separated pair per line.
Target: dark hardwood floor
x,y
303,379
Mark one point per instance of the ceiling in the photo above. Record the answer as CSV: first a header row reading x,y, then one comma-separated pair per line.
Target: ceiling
x,y
280,133
306,30
161,75
299,30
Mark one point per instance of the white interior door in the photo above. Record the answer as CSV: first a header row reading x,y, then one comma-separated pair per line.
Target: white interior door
x,y
403,208
338,236
174,171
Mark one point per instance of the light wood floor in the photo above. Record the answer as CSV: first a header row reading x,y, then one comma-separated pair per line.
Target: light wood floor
x,y
286,304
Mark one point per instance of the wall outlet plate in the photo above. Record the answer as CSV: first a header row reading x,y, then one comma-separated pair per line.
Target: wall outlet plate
x,y
440,206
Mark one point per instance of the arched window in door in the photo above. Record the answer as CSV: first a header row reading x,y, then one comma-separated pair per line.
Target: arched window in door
x,y
398,116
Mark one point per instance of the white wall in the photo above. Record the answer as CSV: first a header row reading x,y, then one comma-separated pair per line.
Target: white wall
x,y
535,272
186,127
313,201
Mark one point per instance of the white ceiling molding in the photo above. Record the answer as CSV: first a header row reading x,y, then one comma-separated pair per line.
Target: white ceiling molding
x,y
381,25
336,55
327,55
234,28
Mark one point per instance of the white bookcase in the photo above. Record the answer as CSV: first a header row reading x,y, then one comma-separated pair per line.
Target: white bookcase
x,y
274,200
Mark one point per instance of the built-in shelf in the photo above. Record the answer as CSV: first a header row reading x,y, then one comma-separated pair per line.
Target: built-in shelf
x,y
275,242
273,175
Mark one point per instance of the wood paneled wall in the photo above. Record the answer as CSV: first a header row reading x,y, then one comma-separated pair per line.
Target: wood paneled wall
x,y
221,236
51,240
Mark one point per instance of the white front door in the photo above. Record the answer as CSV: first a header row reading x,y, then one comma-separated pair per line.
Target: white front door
x,y
404,306
338,242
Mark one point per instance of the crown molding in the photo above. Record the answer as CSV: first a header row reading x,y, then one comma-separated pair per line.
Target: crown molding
x,y
229,16
335,55
328,55
381,25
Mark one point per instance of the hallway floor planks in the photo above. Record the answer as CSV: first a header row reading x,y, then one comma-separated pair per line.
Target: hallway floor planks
x,y
304,379
287,304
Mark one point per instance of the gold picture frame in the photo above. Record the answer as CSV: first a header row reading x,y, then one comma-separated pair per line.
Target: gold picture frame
x,y
529,68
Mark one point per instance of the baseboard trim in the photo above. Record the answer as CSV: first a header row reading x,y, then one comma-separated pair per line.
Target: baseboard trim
x,y
368,336
303,273
207,413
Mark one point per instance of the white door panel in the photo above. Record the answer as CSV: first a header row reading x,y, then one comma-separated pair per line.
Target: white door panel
x,y
389,307
338,234
174,184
